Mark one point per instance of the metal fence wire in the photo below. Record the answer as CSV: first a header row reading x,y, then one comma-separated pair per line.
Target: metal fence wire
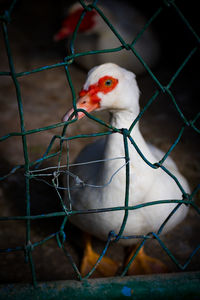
x,y
32,170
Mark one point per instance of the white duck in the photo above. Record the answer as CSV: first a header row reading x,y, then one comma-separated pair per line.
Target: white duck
x,y
94,34
111,87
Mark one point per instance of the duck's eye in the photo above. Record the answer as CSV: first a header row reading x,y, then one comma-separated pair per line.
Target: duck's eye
x,y
108,82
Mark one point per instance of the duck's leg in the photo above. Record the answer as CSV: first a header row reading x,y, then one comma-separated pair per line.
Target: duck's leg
x,y
107,267
144,264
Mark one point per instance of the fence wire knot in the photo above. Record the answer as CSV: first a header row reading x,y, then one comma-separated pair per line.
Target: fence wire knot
x,y
61,237
29,247
168,2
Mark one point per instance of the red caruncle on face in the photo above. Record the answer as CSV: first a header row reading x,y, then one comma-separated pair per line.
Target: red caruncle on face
x,y
105,85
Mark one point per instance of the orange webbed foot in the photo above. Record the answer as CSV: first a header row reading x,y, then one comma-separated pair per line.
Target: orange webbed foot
x,y
144,264
106,268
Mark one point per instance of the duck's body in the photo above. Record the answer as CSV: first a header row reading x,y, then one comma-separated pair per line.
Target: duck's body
x,y
95,34
111,87
146,184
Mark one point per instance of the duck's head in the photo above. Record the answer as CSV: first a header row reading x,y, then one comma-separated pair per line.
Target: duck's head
x,y
91,23
110,87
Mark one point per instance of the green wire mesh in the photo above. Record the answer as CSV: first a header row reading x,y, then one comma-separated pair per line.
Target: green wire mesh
x,y
32,170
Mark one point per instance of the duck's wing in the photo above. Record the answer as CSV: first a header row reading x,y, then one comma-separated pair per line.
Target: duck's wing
x,y
88,164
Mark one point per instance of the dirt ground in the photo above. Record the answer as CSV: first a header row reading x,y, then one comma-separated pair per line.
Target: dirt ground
x,y
47,96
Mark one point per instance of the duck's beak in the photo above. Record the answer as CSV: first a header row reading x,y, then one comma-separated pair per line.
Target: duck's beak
x,y
85,103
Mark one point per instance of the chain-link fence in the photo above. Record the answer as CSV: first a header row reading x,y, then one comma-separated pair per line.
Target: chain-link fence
x,y
34,170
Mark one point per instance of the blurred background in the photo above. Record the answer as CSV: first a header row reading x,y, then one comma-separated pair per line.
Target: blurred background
x,y
47,96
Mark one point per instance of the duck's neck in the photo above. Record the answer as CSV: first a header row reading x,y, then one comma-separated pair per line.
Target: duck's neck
x,y
123,119
115,145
